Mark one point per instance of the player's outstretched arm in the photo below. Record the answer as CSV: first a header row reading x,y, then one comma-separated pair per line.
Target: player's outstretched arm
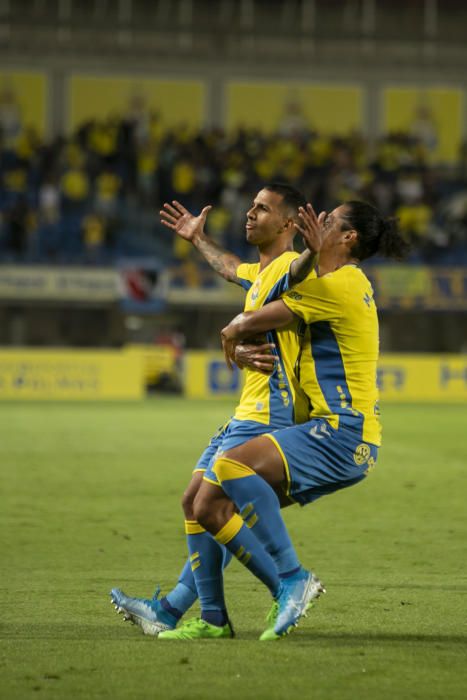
x,y
191,228
311,228
252,323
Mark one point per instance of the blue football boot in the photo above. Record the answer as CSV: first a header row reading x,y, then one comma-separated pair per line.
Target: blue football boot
x,y
296,596
148,614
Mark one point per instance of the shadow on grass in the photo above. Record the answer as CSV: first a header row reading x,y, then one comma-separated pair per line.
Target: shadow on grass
x,y
349,639
406,586
61,631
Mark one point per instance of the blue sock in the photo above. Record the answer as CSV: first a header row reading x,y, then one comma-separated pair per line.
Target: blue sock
x,y
207,559
260,509
236,536
182,597
184,594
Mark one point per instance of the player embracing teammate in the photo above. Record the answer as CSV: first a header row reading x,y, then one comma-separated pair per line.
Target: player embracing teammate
x,y
324,336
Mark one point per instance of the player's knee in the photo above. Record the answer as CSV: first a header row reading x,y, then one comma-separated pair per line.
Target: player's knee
x,y
200,508
190,493
212,512
187,504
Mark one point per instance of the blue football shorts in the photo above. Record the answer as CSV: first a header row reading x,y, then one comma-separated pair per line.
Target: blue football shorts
x,y
320,460
232,434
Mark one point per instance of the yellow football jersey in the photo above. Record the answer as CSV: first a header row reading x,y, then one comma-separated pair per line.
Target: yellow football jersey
x,y
340,351
275,400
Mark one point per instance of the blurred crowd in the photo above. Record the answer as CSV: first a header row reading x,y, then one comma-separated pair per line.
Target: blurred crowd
x,y
94,197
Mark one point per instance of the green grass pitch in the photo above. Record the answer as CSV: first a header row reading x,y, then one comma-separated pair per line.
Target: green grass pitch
x,y
90,500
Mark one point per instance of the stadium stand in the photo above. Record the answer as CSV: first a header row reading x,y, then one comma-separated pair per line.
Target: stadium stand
x,y
109,109
94,197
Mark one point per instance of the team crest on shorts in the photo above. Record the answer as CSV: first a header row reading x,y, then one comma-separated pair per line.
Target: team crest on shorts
x,y
361,454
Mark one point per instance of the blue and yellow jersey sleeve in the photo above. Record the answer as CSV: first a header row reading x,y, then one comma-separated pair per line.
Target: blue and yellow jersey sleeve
x,y
339,360
275,400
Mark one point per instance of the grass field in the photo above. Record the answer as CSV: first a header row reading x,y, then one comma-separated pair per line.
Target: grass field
x,y
90,500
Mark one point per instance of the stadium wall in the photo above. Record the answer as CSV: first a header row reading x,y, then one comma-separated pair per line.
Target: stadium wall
x,y
125,374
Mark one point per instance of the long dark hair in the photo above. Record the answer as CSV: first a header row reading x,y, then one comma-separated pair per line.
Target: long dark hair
x,y
376,235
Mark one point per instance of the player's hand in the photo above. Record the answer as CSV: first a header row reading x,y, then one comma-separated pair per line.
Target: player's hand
x,y
311,228
228,346
183,222
230,337
256,357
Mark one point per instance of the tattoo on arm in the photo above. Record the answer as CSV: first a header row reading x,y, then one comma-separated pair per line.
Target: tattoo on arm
x,y
223,262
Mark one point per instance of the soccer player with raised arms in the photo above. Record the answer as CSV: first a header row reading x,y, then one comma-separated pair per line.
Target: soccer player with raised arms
x,y
268,402
337,446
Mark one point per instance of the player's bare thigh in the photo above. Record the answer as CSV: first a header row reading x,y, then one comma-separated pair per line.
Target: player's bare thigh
x,y
213,508
261,455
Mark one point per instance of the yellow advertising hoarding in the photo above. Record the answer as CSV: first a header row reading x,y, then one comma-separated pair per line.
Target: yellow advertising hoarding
x,y
71,375
207,376
121,374
434,378
329,108
423,378
158,361
23,103
434,114
176,101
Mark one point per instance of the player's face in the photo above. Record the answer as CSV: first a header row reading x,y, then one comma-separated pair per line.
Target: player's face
x,y
336,227
266,219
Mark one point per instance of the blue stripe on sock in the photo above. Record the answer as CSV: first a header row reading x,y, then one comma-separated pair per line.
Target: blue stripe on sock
x,y
289,574
169,609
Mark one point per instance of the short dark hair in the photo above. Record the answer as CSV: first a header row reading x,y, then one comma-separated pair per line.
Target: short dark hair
x,y
375,234
292,198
